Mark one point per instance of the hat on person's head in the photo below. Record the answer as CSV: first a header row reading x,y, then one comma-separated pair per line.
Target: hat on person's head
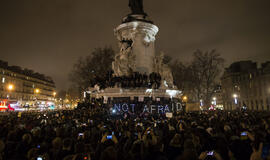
x,y
200,127
57,143
209,130
27,138
227,128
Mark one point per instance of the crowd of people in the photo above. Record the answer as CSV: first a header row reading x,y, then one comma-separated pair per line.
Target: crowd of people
x,y
135,80
95,134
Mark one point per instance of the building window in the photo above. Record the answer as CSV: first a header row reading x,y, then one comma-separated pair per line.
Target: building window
x,y
267,104
262,104
257,107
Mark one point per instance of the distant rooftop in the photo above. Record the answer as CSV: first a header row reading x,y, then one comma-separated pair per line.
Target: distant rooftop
x,y
242,66
247,66
25,71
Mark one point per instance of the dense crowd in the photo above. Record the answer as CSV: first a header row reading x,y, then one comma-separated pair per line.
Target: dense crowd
x,y
135,80
95,134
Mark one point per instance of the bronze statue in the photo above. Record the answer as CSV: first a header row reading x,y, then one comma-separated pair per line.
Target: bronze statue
x,y
136,6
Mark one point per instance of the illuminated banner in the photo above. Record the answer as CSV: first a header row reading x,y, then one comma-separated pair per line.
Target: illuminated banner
x,y
146,108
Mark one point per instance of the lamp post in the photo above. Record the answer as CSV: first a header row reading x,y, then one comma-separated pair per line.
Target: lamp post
x,y
235,96
214,101
213,104
36,91
10,88
201,104
184,99
54,94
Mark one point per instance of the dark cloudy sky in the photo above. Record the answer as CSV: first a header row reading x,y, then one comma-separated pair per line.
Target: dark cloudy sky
x,y
50,35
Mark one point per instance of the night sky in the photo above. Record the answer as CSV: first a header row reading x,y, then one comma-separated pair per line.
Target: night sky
x,y
48,36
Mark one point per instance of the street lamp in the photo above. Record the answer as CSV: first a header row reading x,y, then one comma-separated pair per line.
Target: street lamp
x,y
201,102
37,90
54,94
185,98
214,101
235,98
10,87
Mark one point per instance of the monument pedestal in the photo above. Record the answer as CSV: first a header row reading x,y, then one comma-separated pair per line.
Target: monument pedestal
x,y
137,92
137,46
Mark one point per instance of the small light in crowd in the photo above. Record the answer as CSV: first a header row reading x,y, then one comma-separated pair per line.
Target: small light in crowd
x,y
214,98
234,95
54,93
114,111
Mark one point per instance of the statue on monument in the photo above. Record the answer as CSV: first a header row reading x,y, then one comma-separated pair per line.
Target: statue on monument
x,y
163,69
124,60
136,6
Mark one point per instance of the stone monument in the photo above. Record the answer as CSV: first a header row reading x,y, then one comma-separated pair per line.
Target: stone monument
x,y
136,39
136,36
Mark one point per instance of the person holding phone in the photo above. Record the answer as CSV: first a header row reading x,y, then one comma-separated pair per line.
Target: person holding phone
x,y
111,137
263,152
211,153
149,135
80,136
244,135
